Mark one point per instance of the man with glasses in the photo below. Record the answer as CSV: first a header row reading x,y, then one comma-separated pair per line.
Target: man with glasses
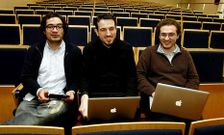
x,y
167,63
51,67
109,66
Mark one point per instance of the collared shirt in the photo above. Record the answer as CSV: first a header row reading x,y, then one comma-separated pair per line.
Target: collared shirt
x,y
51,71
169,55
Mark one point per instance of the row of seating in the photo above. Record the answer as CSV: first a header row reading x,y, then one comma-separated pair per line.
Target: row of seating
x,y
209,63
111,7
119,12
26,15
136,36
200,127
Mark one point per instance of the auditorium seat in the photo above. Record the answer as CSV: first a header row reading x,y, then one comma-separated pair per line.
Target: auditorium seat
x,y
220,20
85,13
157,16
7,19
121,14
24,11
79,20
12,60
43,11
204,19
213,126
131,128
30,130
139,15
211,26
216,39
138,36
176,17
209,65
193,38
6,11
29,19
191,25
127,21
10,34
31,34
189,18
65,12
78,35
149,22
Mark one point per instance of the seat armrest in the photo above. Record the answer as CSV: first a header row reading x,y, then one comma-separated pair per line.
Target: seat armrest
x,y
16,93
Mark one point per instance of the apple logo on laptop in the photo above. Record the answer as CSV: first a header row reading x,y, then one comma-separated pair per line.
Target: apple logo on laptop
x,y
113,110
178,103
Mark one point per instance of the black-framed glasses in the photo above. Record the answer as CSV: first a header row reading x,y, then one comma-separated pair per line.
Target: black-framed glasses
x,y
51,26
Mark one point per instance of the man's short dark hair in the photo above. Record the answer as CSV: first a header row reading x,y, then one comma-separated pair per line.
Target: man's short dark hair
x,y
51,15
168,21
104,16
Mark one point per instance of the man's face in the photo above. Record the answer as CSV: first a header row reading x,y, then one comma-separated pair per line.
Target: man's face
x,y
54,30
106,31
168,36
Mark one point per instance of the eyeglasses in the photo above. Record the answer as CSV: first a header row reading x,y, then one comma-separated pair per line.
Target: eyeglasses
x,y
170,35
51,26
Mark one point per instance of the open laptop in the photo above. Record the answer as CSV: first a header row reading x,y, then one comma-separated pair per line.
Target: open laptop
x,y
110,108
179,101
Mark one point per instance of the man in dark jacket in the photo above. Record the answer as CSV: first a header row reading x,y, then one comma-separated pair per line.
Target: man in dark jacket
x,y
51,67
109,66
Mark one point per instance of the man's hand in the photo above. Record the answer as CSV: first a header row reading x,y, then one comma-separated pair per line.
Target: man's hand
x,y
43,95
71,97
83,109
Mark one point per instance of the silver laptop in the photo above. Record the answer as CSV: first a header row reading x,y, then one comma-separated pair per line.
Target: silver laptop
x,y
179,101
109,108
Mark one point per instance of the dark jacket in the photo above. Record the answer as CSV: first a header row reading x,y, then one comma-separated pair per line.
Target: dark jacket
x,y
109,71
72,66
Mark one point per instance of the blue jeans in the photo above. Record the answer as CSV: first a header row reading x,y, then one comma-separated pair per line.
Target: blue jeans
x,y
35,113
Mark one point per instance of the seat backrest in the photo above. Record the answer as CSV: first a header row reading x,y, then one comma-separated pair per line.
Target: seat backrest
x,y
138,36
64,12
131,128
78,35
191,25
176,17
189,18
209,65
216,39
30,130
31,34
7,19
127,21
148,22
29,19
79,20
121,14
10,34
195,38
12,61
211,26
85,13
204,19
157,16
6,11
43,11
24,11
213,126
